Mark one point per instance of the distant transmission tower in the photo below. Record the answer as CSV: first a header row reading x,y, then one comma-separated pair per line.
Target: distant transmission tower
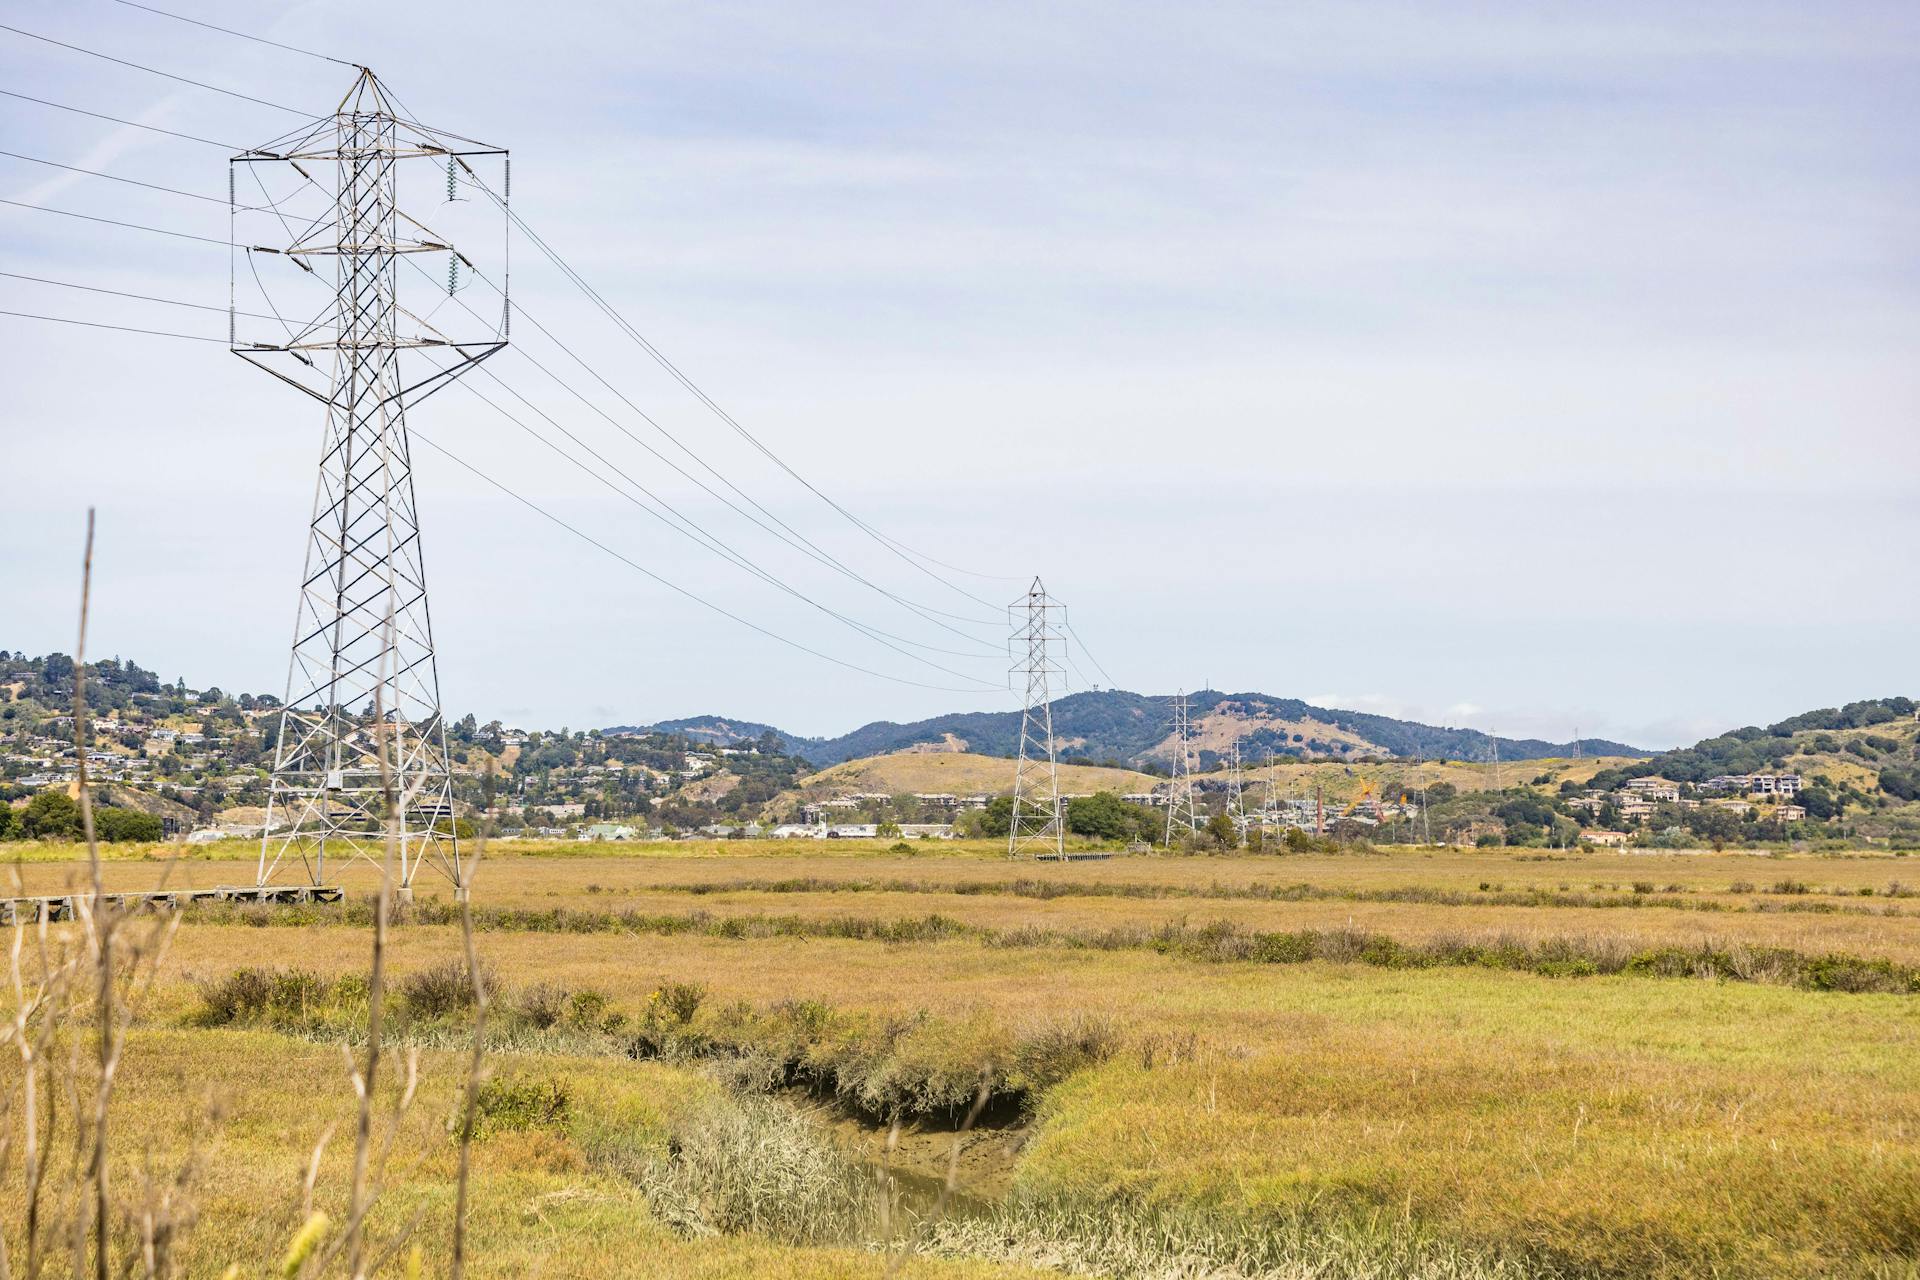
x,y
361,739
1038,823
1236,809
1181,810
1270,804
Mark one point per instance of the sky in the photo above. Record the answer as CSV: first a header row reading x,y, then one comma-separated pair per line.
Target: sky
x,y
1530,367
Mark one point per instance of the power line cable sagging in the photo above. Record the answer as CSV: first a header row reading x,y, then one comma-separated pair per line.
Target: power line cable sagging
x,y
765,519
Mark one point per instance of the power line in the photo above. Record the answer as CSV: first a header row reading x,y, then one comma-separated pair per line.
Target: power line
x,y
1111,682
726,552
95,324
626,327
145,297
692,529
132,182
797,540
243,35
168,75
672,586
899,549
131,124
136,226
660,358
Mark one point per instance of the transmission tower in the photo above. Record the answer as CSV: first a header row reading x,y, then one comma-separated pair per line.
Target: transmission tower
x,y
1037,820
1270,804
1236,809
1181,810
361,748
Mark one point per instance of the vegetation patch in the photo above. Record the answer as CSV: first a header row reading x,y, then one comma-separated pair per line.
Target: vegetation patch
x,y
505,1105
1220,941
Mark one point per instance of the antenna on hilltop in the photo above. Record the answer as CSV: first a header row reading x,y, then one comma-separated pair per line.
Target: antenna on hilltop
x,y
1036,818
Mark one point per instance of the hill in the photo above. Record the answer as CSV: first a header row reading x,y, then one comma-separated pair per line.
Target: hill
x,y
1860,764
1131,729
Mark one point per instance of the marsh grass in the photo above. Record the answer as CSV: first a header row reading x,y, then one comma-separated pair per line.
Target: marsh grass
x,y
1130,1239
757,1165
1215,942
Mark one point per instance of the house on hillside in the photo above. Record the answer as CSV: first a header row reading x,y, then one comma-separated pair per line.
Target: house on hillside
x,y
1755,784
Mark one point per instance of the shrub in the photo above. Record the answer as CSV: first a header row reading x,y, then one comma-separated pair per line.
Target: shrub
x,y
443,989
502,1105
290,999
1054,1052
756,1165
677,1001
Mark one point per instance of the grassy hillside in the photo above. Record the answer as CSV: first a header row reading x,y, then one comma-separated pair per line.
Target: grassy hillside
x,y
960,773
1861,764
1345,783
1132,728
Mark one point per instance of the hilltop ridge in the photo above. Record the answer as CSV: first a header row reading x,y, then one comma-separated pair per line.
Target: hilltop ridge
x,y
1133,730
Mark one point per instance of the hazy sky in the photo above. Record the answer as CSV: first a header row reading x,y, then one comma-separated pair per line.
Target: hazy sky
x,y
1516,365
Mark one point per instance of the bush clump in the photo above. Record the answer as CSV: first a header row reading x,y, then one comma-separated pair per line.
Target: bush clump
x,y
503,1105
443,989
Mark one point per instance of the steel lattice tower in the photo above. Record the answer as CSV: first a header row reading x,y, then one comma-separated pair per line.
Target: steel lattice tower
x,y
1037,820
1181,809
1236,807
362,747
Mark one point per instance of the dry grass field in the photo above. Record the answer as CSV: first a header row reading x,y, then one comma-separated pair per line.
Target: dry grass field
x,y
1406,1063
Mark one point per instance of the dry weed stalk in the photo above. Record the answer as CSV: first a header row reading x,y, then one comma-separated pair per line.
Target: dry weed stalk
x,y
477,1063
363,1190
896,1260
79,986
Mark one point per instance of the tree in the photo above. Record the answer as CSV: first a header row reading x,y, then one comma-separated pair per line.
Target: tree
x,y
6,821
113,824
1103,815
1901,783
997,818
1222,832
51,815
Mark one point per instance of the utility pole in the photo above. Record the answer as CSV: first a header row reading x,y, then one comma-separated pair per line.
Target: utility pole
x,y
1037,822
361,748
1181,810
